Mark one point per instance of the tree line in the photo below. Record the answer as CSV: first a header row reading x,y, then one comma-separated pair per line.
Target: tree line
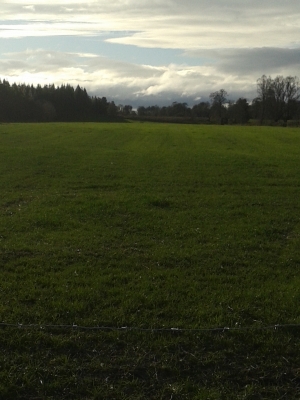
x,y
26,103
277,103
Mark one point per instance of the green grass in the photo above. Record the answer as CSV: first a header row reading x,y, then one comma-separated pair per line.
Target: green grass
x,y
149,226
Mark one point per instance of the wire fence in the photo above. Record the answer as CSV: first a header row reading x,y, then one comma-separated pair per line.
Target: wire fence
x,y
275,327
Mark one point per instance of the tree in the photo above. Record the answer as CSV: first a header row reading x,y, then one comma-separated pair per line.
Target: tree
x,y
218,100
201,110
277,96
292,94
238,112
112,109
265,95
141,111
178,109
278,93
82,103
127,109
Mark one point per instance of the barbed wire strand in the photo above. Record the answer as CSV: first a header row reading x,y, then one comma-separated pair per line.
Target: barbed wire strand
x,y
137,329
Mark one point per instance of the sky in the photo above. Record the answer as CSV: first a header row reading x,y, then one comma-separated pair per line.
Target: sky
x,y
150,52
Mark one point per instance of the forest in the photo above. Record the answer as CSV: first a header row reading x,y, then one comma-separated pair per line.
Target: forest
x,y
277,103
26,103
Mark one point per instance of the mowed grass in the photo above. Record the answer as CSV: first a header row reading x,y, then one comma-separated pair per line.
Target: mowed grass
x,y
149,226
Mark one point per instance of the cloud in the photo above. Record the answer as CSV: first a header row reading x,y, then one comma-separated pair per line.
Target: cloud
x,y
29,8
224,44
46,29
167,24
262,60
117,80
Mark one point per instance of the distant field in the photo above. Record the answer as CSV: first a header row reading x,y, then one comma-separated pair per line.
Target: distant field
x,y
151,226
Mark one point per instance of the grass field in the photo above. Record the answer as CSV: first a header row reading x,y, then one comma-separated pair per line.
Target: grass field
x,y
149,226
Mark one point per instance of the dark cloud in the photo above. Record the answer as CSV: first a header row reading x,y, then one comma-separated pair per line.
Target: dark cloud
x,y
263,60
266,60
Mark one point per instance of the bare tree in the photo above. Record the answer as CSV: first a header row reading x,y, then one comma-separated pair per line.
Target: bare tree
x,y
277,96
292,93
265,94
